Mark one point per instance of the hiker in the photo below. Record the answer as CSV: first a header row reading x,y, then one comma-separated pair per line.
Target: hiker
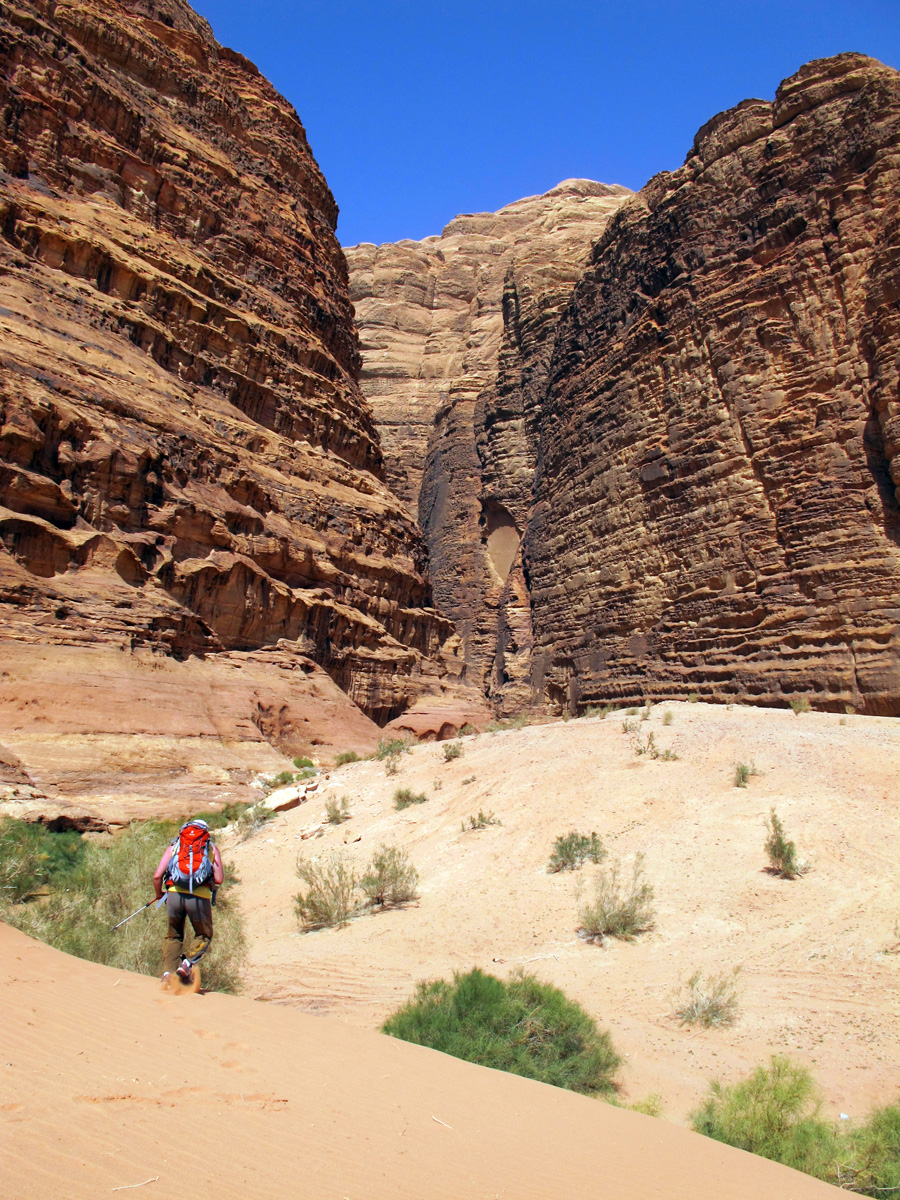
x,y
191,871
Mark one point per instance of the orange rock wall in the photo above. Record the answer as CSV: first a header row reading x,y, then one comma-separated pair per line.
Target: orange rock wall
x,y
715,503
187,465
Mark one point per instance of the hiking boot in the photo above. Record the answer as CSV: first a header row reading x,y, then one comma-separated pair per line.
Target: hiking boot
x,y
184,972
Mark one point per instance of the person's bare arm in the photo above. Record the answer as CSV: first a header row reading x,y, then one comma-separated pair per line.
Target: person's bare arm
x,y
160,871
218,869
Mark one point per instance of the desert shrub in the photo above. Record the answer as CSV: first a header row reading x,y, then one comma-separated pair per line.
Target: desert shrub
x,y
711,1002
251,819
345,756
480,821
743,773
782,854
629,726
650,1106
668,717
621,908
467,730
31,856
404,797
522,1025
337,811
649,747
303,762
800,704
693,697
330,897
452,750
390,878
111,881
631,712
391,748
773,1113
646,711
468,779
281,779
573,849
849,709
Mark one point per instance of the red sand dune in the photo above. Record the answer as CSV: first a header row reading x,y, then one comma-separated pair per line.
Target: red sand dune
x,y
107,1082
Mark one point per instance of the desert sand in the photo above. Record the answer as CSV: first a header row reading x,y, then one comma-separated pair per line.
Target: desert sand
x,y
818,956
110,1086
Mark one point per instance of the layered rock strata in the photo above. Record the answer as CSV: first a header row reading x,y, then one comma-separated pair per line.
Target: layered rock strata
x,y
187,466
715,507
698,494
456,333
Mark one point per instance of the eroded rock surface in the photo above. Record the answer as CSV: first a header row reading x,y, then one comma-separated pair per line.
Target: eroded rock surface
x,y
715,507
187,466
699,493
456,333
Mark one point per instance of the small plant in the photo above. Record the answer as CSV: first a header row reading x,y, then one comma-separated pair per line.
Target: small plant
x,y
404,797
251,819
782,854
573,849
800,704
468,779
330,892
693,697
481,821
743,773
646,747
646,711
452,750
282,779
597,710
391,748
629,726
391,878
849,710
467,730
303,762
668,755
631,712
668,717
337,811
345,756
650,1106
522,1025
621,908
712,1002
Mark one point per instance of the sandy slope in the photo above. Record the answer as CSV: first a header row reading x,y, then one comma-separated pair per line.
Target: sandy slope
x,y
816,980
107,1083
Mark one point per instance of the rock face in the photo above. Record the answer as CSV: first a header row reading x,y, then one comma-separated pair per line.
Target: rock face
x,y
715,505
456,333
187,467
698,494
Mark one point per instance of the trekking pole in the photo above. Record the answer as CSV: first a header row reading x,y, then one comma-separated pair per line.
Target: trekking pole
x,y
136,911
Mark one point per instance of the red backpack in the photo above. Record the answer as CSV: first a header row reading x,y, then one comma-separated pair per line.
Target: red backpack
x,y
191,864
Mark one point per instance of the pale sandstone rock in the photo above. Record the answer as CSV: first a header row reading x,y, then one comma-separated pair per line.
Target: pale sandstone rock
x,y
444,326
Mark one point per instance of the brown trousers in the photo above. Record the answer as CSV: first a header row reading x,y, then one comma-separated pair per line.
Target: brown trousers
x,y
179,908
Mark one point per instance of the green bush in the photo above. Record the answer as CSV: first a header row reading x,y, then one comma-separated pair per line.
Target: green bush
x,y
32,856
391,748
108,883
404,797
523,1026
782,853
743,773
800,705
573,849
282,779
468,730
303,762
668,717
775,1113
337,811
391,878
711,1002
452,750
480,821
345,756
620,908
330,897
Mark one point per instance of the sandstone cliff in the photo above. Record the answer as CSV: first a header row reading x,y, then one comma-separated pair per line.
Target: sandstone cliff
x,y
187,467
456,333
698,494
715,505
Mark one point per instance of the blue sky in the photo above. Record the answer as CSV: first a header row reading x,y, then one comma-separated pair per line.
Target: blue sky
x,y
417,111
